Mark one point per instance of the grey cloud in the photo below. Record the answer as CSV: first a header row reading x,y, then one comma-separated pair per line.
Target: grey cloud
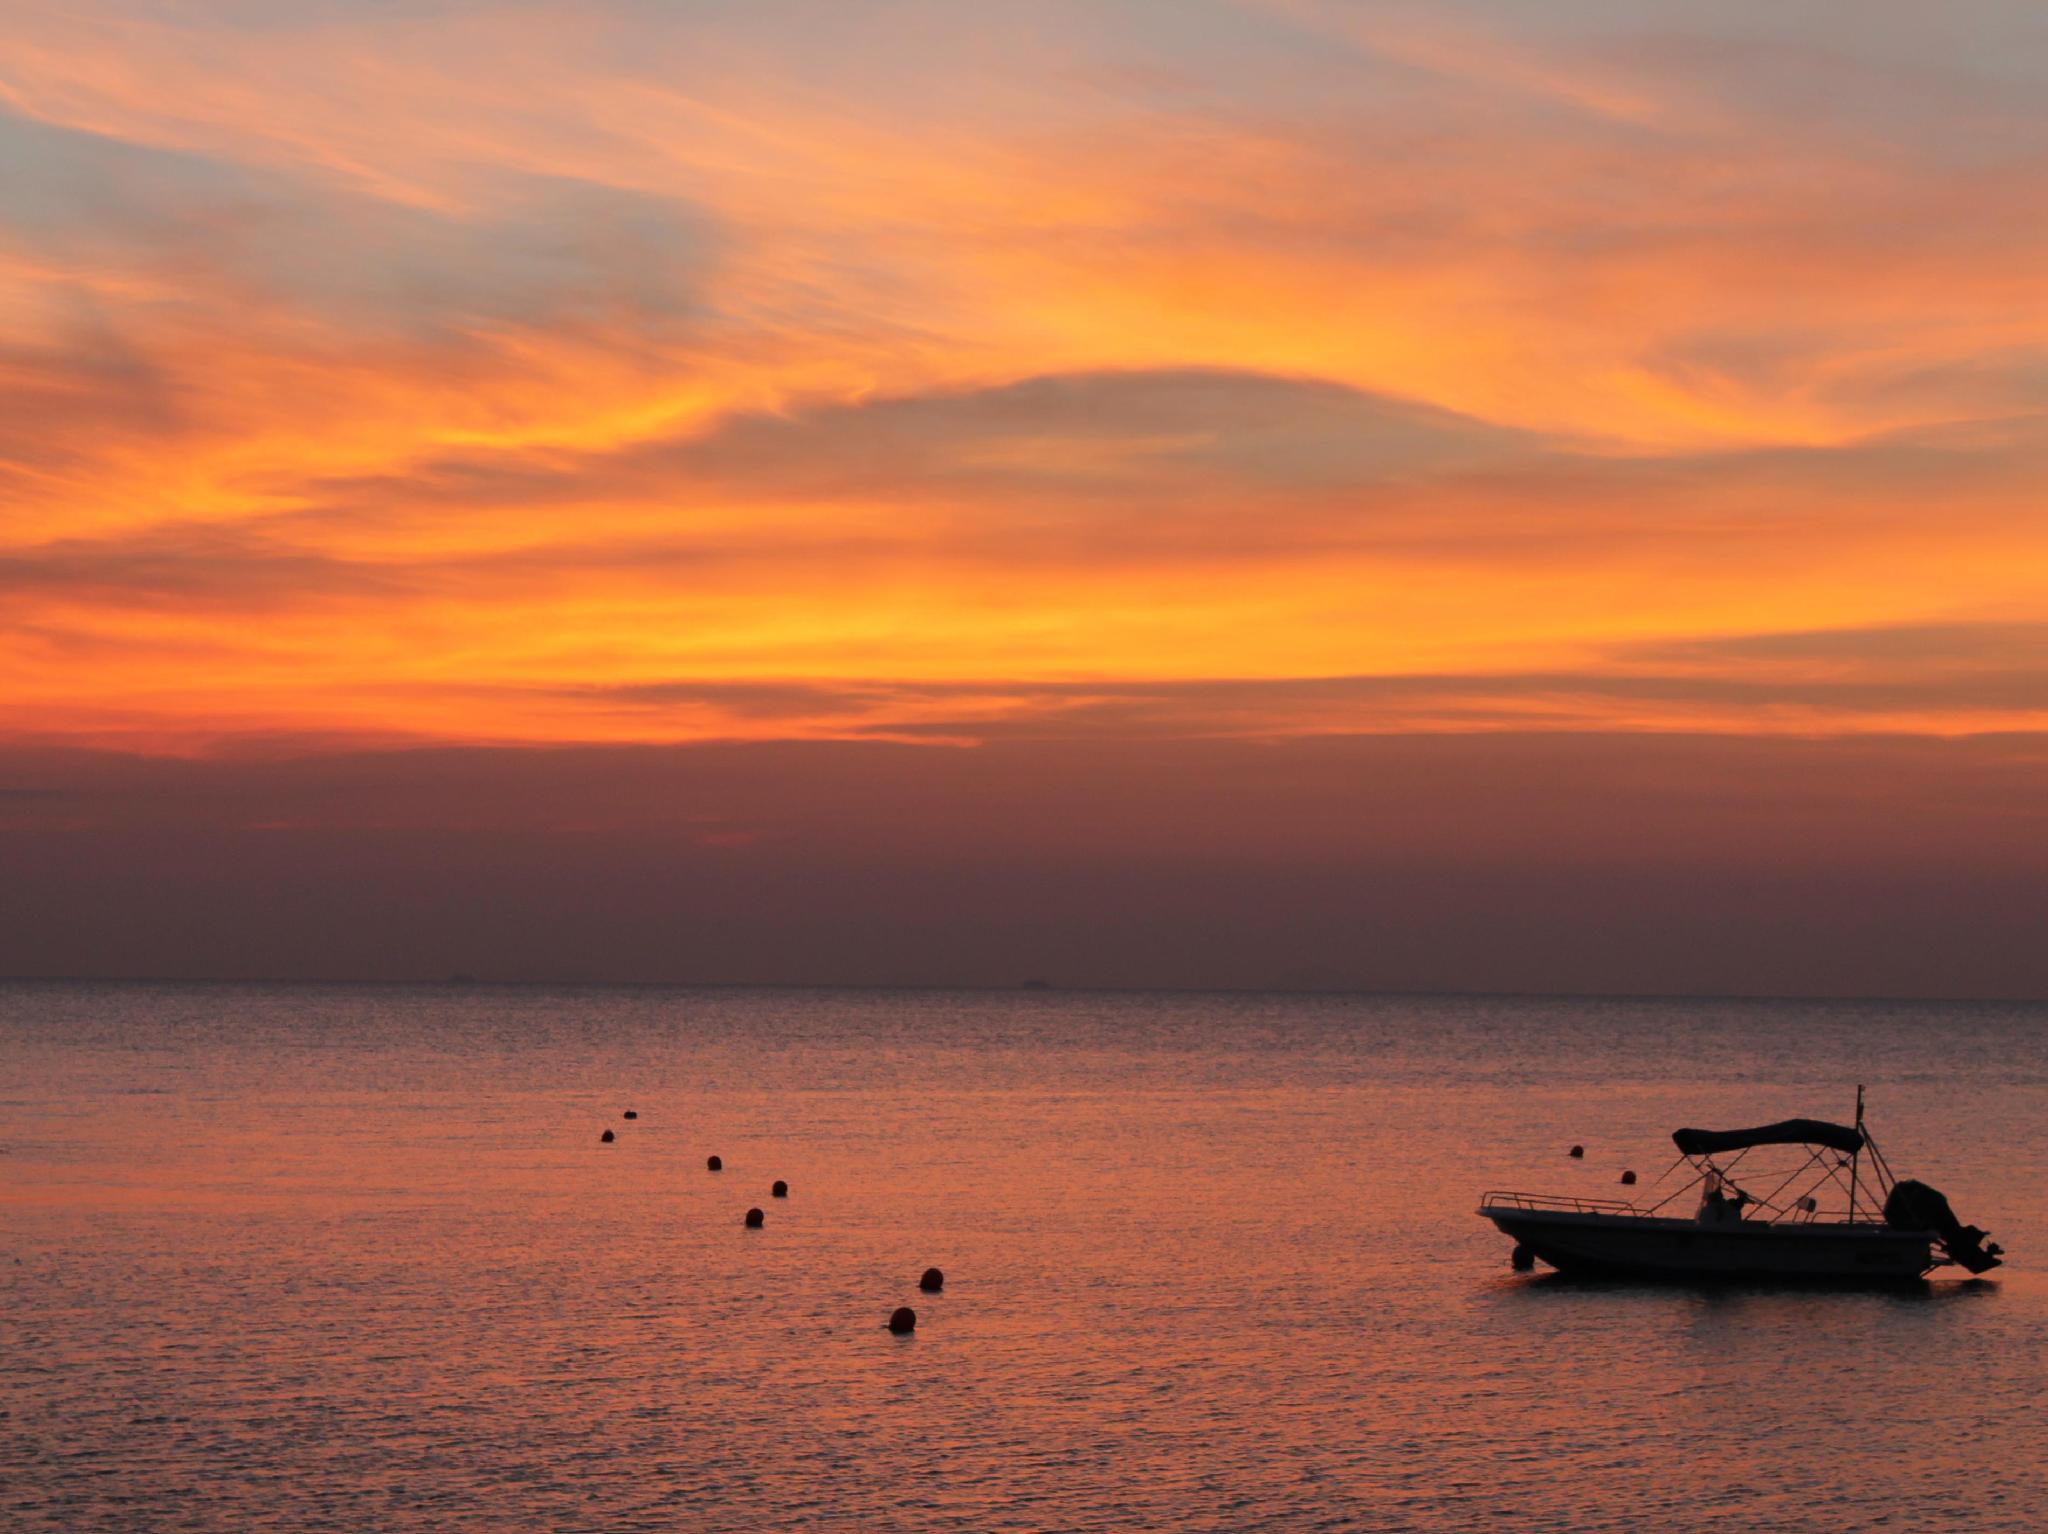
x,y
541,251
1989,383
1152,454
203,567
1095,440
1989,645
251,566
1941,669
59,401
1246,426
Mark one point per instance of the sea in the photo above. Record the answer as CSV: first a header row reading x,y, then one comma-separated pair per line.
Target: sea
x,y
357,1258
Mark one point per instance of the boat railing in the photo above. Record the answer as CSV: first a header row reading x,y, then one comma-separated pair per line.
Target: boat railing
x,y
1499,1198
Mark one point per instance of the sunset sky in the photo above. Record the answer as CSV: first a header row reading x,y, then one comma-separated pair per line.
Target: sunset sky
x,y
1485,490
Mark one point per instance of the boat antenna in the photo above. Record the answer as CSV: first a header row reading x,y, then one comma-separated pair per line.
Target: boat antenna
x,y
1856,1156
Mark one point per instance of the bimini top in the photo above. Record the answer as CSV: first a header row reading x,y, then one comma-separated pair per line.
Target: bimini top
x,y
1705,1142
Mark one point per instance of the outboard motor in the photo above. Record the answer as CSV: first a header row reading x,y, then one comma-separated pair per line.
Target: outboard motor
x,y
1915,1206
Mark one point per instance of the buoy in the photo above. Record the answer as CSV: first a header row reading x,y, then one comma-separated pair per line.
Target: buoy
x,y
1521,1259
1577,1153
714,1163
905,1320
1628,1179
607,1137
932,1282
631,1114
780,1190
754,1218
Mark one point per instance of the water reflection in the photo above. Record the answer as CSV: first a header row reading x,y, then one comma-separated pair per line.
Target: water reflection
x,y
322,1258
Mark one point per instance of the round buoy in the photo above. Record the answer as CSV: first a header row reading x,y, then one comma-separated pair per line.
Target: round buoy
x,y
607,1137
754,1218
1521,1259
905,1320
1577,1153
1628,1179
932,1282
631,1114
714,1163
780,1190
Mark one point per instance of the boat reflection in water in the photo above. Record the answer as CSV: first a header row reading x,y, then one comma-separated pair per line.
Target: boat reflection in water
x,y
1774,1224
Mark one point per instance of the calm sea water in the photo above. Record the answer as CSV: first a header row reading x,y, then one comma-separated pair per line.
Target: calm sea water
x,y
353,1258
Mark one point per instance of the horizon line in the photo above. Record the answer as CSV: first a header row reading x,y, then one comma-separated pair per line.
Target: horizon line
x,y
461,981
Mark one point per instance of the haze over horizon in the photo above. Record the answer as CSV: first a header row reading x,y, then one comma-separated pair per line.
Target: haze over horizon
x,y
1483,496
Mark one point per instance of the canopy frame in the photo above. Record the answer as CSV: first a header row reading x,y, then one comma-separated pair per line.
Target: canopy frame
x,y
1795,1198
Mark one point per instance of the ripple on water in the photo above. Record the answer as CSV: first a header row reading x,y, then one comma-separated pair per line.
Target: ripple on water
x,y
1211,1264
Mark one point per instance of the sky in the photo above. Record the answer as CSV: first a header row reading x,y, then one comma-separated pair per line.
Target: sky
x,y
1487,494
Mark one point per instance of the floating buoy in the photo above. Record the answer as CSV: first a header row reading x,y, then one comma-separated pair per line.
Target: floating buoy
x,y
780,1190
905,1320
932,1282
631,1114
607,1137
1628,1179
754,1218
1521,1259
714,1163
1577,1153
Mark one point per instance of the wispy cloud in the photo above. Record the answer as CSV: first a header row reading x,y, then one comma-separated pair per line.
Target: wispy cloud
x,y
514,372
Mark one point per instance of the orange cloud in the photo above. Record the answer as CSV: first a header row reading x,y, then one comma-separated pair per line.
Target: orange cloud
x,y
521,375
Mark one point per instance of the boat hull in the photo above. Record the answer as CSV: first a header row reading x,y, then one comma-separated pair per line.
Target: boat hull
x,y
1646,1246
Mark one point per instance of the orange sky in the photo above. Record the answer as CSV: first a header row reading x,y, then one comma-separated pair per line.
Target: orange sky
x,y
614,373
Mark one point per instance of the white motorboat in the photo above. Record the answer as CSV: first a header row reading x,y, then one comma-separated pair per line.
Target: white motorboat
x,y
1707,1225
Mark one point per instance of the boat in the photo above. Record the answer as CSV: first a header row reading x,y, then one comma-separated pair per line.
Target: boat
x,y
1837,1216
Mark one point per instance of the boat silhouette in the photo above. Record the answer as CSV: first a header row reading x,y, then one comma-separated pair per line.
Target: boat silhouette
x,y
1886,1229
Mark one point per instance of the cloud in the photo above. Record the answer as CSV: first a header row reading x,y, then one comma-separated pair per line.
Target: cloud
x,y
467,371
1948,679
529,251
64,395
181,320
1992,648
1113,432
1184,553
187,569
1093,442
